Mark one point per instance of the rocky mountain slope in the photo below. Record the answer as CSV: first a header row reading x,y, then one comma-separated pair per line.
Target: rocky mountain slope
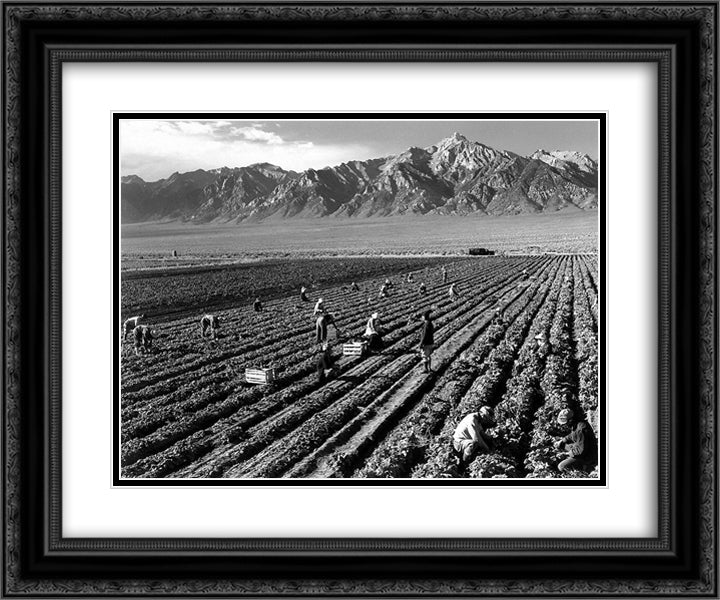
x,y
455,177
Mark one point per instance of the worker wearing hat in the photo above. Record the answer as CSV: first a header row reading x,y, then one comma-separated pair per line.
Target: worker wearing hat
x,y
372,334
579,446
469,437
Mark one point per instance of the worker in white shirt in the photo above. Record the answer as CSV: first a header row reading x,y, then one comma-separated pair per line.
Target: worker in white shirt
x,y
319,307
469,437
372,334
130,324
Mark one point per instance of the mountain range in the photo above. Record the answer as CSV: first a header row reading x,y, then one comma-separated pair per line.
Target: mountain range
x,y
455,177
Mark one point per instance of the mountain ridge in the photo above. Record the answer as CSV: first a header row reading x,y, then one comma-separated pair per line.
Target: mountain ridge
x,y
456,176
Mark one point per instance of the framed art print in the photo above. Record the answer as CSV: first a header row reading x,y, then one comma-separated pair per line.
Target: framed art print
x,y
360,299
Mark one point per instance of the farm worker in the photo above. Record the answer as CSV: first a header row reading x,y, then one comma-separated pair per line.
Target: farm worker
x,y
324,363
372,334
383,291
130,324
355,287
542,345
209,322
524,273
388,283
498,317
303,294
444,274
319,307
422,288
321,327
469,436
410,278
427,341
579,447
257,305
143,338
452,292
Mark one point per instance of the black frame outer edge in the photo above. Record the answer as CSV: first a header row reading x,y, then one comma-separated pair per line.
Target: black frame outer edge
x,y
682,561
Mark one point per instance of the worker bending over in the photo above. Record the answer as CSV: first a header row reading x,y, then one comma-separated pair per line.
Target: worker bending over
x,y
372,333
209,323
470,438
130,324
321,327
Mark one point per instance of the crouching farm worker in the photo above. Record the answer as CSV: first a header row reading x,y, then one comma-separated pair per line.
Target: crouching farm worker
x,y
209,323
579,447
324,363
257,305
469,437
452,292
130,324
372,334
143,339
427,341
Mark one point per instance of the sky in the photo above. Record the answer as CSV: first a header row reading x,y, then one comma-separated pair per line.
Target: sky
x,y
154,149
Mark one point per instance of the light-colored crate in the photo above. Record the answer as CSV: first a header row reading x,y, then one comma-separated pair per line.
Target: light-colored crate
x,y
261,376
354,348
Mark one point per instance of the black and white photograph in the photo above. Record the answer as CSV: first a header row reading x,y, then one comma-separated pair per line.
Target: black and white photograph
x,y
359,298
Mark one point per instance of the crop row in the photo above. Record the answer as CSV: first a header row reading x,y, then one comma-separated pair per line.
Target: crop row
x,y
243,330
168,291
281,342
489,388
408,444
226,407
307,418
524,395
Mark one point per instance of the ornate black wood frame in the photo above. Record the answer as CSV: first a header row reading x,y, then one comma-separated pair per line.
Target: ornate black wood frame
x,y
680,38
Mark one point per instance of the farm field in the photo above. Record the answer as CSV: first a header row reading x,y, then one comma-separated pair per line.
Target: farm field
x,y
173,290
187,412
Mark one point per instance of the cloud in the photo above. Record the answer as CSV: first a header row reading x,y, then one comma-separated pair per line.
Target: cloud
x,y
154,149
256,134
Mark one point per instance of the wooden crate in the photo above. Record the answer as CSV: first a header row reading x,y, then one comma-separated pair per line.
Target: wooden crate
x,y
261,376
354,348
